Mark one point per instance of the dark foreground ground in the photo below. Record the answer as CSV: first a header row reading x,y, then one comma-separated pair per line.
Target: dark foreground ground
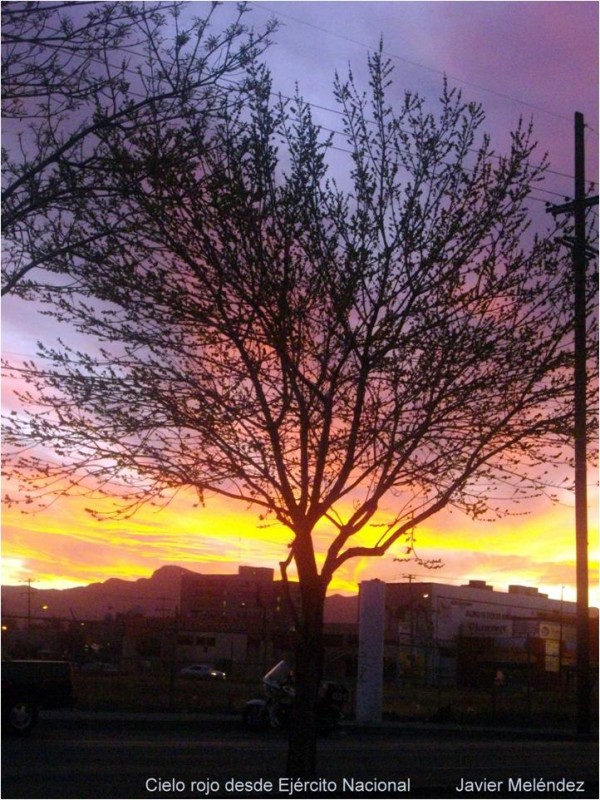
x,y
77,755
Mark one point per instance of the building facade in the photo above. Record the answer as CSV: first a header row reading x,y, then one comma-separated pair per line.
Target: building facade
x,y
242,622
472,635
251,599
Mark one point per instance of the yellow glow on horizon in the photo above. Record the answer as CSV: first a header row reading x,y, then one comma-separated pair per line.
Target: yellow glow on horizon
x,y
65,546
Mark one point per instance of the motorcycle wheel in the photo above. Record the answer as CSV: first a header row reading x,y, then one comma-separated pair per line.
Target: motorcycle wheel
x,y
256,718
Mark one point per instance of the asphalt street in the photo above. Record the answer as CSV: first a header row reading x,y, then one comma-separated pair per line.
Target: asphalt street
x,y
144,758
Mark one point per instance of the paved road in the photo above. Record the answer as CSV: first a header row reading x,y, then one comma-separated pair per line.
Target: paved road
x,y
111,761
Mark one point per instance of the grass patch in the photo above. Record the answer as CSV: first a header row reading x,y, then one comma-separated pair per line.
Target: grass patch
x,y
470,706
150,693
160,693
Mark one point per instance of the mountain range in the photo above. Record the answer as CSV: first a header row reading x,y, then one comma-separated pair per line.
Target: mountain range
x,y
157,595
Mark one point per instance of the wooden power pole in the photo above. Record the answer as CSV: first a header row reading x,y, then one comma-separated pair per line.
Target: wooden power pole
x,y
578,208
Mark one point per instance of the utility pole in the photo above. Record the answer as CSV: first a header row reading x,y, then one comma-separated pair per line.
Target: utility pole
x,y
29,581
581,531
578,208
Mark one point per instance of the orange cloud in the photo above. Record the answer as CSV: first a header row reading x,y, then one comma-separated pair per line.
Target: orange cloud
x,y
64,546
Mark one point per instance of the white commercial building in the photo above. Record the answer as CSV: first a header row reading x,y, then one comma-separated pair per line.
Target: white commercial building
x,y
469,634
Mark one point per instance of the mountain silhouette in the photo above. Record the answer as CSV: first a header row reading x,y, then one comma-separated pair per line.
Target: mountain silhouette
x,y
158,595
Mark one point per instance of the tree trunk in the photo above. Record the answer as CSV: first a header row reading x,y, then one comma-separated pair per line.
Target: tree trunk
x,y
302,751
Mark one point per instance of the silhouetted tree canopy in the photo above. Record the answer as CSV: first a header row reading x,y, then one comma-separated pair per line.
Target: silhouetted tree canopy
x,y
74,73
322,347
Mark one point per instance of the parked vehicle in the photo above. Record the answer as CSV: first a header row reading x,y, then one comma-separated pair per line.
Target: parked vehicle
x,y
275,709
28,686
99,668
202,672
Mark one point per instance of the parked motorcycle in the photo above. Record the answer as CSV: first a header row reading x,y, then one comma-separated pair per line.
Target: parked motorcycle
x,y
275,709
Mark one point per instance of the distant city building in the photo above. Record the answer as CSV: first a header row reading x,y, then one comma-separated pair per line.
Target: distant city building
x,y
434,633
250,600
468,635
233,620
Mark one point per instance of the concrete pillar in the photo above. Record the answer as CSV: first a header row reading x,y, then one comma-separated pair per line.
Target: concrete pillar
x,y
371,622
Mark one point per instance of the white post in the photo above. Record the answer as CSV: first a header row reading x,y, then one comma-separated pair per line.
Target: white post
x,y
371,622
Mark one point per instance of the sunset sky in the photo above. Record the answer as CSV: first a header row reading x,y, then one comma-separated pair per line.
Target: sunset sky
x,y
532,59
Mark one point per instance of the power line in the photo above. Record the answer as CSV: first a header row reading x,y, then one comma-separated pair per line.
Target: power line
x,y
418,64
338,112
340,149
532,197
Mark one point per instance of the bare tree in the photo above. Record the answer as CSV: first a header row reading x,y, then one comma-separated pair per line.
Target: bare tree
x,y
322,352
71,74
